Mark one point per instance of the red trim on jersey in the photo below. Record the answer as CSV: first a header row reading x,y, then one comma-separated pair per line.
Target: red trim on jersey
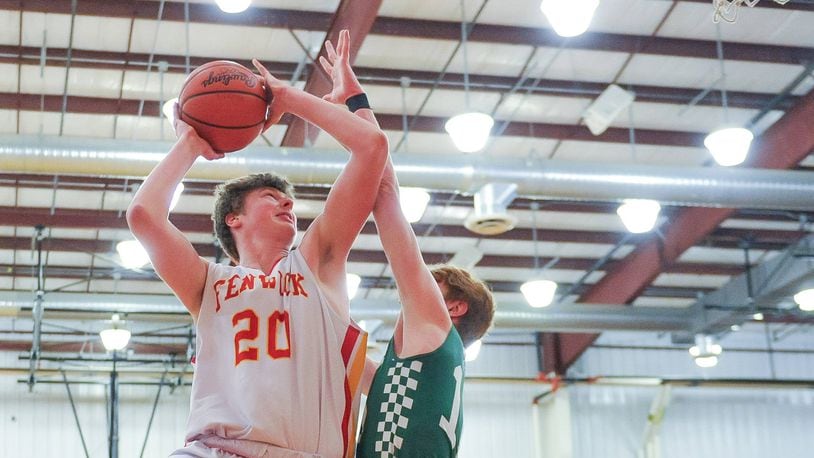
x,y
351,339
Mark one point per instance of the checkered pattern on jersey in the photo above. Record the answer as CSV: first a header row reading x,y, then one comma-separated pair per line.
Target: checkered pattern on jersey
x,y
395,409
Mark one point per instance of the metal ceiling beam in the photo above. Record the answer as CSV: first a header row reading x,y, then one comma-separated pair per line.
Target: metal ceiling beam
x,y
55,272
783,145
430,124
377,257
355,16
30,55
509,316
422,28
438,198
112,219
767,287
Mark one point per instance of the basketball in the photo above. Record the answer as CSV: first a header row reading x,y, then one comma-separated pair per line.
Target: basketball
x,y
225,103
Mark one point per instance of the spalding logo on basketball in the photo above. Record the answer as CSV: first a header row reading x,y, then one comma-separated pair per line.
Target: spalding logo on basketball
x,y
225,103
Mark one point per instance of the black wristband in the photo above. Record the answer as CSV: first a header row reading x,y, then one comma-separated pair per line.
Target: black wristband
x,y
357,102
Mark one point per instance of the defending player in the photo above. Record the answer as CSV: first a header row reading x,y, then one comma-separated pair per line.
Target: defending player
x,y
414,404
278,359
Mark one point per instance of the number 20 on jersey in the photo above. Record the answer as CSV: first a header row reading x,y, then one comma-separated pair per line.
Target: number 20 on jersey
x,y
278,344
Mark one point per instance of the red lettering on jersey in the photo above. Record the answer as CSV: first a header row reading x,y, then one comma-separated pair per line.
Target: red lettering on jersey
x,y
248,283
291,284
216,287
273,350
268,282
296,282
232,290
249,333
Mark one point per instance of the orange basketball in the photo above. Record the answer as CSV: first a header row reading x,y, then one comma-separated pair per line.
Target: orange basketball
x,y
225,103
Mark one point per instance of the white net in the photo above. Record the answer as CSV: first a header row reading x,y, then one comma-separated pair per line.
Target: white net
x,y
727,10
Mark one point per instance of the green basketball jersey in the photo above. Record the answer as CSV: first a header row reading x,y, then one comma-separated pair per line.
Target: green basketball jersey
x,y
414,408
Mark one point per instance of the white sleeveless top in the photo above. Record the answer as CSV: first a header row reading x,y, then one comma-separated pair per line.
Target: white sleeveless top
x,y
274,363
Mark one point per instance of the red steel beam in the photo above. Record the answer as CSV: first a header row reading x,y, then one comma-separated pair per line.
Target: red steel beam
x,y
97,219
782,146
129,61
356,16
422,28
99,105
378,257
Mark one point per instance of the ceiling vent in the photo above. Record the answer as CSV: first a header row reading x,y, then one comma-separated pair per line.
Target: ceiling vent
x,y
490,216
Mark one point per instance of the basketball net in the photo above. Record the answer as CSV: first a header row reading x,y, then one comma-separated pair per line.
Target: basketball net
x,y
727,10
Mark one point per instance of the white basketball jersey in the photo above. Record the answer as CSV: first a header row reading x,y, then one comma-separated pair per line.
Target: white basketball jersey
x,y
274,363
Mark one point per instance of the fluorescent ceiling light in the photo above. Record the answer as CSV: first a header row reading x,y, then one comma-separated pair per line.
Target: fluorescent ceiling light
x,y
469,131
132,254
539,293
413,203
639,215
233,6
729,146
569,18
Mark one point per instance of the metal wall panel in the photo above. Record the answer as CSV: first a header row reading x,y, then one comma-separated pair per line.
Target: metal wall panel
x,y
609,422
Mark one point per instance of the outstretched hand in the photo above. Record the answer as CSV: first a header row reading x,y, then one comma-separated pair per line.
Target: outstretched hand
x,y
337,65
276,90
184,131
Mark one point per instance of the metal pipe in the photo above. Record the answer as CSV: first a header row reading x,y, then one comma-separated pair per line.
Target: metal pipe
x,y
564,318
75,415
542,179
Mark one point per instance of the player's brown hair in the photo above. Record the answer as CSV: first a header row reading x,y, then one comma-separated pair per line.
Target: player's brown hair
x,y
461,285
229,197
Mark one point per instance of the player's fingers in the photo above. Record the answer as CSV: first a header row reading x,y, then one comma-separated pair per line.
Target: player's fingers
x,y
344,43
260,68
330,50
329,69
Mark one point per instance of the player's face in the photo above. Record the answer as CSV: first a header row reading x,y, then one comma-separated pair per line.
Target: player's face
x,y
270,209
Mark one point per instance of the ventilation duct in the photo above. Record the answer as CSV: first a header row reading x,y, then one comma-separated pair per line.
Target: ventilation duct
x,y
542,179
490,216
515,316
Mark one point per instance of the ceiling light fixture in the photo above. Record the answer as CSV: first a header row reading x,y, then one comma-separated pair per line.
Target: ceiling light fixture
x,y
353,282
705,352
472,351
538,292
569,18
470,130
168,110
132,254
413,203
117,336
639,215
728,145
233,6
805,300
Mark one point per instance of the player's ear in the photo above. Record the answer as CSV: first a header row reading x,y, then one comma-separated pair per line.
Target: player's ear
x,y
233,220
457,308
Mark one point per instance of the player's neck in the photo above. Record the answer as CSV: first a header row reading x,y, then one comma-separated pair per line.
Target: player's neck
x,y
263,260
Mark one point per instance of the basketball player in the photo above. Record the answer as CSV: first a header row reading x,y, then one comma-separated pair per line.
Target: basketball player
x,y
414,402
278,359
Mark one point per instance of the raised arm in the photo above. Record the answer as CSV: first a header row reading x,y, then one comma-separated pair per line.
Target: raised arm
x,y
172,255
425,319
328,240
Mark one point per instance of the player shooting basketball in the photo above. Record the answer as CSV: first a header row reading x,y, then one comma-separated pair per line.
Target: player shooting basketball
x,y
414,403
278,359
